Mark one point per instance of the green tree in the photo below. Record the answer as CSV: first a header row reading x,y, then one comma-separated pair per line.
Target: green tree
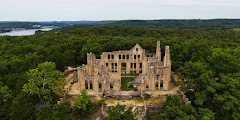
x,y
44,81
225,61
118,113
115,112
62,111
45,113
192,70
95,48
82,104
127,115
5,94
223,95
192,74
199,50
56,55
206,114
5,101
174,109
24,107
179,54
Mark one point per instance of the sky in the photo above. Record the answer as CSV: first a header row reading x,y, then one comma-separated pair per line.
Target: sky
x,y
76,10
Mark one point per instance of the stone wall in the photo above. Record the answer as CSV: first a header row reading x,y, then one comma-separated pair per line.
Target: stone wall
x,y
183,97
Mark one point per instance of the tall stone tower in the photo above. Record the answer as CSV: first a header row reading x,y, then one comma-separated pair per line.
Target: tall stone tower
x,y
167,58
90,62
158,51
167,69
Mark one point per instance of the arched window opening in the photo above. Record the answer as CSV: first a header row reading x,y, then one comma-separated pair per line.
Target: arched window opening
x,y
91,86
86,85
161,84
127,56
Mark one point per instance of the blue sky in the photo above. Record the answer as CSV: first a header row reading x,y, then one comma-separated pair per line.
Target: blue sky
x,y
63,10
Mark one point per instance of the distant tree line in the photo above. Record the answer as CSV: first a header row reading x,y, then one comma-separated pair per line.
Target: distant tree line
x,y
175,23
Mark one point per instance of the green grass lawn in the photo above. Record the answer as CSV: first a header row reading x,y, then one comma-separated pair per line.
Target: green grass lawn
x,y
178,81
132,74
124,82
236,29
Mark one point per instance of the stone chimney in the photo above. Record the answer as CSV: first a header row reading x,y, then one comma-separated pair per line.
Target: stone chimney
x,y
90,61
167,59
158,51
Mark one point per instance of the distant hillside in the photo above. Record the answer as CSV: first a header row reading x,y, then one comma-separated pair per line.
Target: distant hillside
x,y
29,25
176,23
82,22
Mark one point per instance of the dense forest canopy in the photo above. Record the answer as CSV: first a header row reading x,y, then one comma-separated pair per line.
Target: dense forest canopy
x,y
207,60
177,23
171,23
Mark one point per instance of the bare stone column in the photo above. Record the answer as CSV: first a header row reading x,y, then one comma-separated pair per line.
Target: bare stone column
x,y
166,82
104,85
110,66
143,88
128,67
137,67
119,66
88,84
95,84
159,83
152,83
166,85
144,65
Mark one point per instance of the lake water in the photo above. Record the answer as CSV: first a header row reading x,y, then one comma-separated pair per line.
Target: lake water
x,y
24,32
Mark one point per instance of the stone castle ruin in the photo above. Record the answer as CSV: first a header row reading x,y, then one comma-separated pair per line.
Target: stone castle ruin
x,y
103,76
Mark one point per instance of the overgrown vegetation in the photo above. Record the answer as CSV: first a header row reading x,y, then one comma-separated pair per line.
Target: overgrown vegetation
x,y
124,81
118,112
83,106
132,74
174,109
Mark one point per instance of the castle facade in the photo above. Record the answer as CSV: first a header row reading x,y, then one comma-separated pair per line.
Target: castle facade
x,y
104,75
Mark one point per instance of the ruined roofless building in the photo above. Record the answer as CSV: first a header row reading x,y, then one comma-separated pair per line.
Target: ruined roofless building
x,y
103,75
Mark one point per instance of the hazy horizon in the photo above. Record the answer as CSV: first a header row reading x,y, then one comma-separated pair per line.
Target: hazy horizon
x,y
115,20
95,10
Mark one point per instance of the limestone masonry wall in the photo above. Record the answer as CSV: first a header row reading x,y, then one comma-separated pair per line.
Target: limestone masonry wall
x,y
102,76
